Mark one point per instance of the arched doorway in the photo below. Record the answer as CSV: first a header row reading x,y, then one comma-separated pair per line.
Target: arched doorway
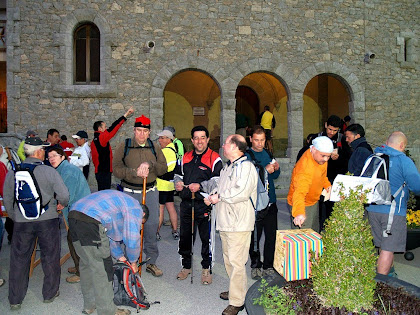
x,y
192,98
257,90
324,95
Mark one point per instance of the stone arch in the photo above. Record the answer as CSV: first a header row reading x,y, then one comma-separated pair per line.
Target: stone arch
x,y
263,64
346,76
63,40
172,68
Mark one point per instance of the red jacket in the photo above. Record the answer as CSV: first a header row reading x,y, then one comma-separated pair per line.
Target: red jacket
x,y
101,149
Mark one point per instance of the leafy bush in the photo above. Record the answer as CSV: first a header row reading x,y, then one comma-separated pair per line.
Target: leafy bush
x,y
344,275
275,301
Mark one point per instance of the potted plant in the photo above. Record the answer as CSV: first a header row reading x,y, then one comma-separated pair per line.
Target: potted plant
x,y
413,227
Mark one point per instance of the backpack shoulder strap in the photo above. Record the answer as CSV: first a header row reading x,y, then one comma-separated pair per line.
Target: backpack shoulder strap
x,y
152,147
127,147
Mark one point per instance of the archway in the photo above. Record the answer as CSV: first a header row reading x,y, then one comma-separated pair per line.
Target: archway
x,y
325,95
257,90
191,98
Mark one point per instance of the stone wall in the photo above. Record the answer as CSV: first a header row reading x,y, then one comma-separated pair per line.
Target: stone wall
x,y
294,40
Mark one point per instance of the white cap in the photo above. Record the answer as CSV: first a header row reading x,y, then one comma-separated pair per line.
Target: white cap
x,y
166,133
323,144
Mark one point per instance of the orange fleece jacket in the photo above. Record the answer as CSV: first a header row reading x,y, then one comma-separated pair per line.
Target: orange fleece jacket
x,y
308,180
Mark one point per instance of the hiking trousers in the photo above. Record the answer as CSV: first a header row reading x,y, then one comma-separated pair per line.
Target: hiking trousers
x,y
269,226
95,266
202,224
23,243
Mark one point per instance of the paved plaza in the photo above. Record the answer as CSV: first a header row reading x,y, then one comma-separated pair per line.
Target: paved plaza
x,y
166,294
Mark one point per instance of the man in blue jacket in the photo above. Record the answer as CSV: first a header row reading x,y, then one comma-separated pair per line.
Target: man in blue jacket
x,y
355,137
268,223
401,170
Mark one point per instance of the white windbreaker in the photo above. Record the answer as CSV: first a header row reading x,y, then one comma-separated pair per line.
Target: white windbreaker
x,y
237,182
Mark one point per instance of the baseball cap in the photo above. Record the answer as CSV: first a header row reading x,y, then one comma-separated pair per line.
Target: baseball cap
x,y
81,134
30,133
166,133
36,141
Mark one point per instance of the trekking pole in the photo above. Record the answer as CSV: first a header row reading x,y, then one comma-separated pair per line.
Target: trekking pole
x,y
192,234
143,202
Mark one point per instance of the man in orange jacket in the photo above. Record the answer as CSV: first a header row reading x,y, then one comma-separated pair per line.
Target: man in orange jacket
x,y
309,177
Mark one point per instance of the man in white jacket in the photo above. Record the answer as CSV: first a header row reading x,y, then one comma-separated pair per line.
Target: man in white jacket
x,y
235,217
81,155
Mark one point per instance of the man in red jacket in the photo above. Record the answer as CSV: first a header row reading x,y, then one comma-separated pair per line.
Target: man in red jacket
x,y
101,149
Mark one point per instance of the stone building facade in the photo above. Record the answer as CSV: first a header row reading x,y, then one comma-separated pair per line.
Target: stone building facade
x,y
370,46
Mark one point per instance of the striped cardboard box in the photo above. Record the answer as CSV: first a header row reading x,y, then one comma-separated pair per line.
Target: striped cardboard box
x,y
291,257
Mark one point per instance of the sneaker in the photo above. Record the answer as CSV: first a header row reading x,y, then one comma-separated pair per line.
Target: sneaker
x,y
72,270
88,311
53,298
206,277
392,273
268,272
158,237
2,281
15,307
224,295
256,273
183,274
121,311
175,235
154,270
73,279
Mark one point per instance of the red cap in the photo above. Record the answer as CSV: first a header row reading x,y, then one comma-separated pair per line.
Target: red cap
x,y
142,121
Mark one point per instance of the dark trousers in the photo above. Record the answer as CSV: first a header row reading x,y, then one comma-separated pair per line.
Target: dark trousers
x,y
325,210
9,228
104,180
202,223
86,171
269,226
23,242
73,254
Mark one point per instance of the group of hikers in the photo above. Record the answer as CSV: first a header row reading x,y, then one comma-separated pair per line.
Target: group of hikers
x,y
121,224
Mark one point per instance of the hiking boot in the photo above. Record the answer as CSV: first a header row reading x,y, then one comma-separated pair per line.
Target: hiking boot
x,y
15,307
121,311
268,272
158,237
53,298
224,295
232,310
175,235
73,279
256,273
154,270
72,270
206,277
392,273
183,274
88,311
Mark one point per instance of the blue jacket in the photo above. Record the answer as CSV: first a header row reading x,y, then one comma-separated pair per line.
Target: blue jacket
x,y
401,169
362,151
75,181
263,158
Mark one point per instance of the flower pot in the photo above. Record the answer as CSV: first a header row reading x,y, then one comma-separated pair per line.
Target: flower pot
x,y
413,239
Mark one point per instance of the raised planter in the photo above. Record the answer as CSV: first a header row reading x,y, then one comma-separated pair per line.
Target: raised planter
x,y
278,280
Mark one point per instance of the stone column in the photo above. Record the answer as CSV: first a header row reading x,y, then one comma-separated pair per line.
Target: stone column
x,y
295,130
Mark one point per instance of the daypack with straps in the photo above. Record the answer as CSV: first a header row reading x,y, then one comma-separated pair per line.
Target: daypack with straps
x,y
128,146
374,178
27,193
261,204
128,287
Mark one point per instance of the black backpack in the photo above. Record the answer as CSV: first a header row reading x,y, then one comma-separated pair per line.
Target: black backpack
x,y
128,287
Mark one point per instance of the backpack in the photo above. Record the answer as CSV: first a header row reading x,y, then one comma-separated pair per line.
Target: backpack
x,y
261,205
27,193
128,287
374,177
128,146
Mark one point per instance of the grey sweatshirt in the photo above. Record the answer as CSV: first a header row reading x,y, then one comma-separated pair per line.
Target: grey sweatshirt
x,y
50,183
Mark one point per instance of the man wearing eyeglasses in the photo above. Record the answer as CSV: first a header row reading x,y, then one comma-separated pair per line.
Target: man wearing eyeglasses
x,y
137,158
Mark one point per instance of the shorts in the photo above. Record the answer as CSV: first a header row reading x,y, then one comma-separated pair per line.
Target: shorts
x,y
166,196
394,242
